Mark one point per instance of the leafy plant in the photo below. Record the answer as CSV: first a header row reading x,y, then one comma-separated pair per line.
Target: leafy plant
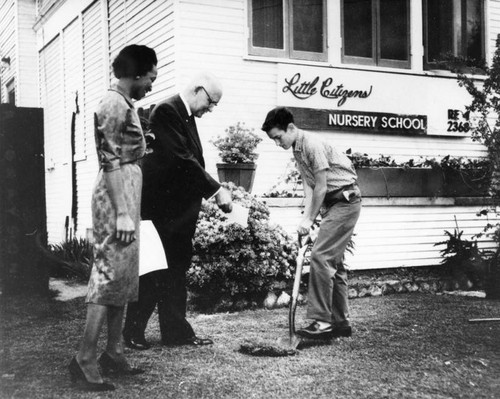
x,y
462,258
289,184
238,145
236,261
484,112
459,63
76,256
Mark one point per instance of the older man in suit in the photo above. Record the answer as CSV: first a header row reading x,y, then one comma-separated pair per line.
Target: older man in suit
x,y
175,181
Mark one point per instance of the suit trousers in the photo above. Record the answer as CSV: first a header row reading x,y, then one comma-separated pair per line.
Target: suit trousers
x,y
167,288
327,294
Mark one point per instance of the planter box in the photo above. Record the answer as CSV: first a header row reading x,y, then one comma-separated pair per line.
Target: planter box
x,y
241,174
470,183
400,182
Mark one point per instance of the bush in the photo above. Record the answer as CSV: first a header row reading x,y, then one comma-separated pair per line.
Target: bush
x,y
75,257
238,145
233,261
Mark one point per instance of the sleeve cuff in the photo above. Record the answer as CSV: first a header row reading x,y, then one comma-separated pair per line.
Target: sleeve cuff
x,y
214,194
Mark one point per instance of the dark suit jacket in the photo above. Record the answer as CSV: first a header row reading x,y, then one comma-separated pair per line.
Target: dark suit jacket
x,y
174,176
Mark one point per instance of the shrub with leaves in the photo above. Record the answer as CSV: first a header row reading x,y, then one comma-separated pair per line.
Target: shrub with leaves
x,y
238,145
236,261
462,257
76,257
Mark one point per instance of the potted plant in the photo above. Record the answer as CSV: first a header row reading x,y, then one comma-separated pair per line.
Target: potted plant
x,y
237,151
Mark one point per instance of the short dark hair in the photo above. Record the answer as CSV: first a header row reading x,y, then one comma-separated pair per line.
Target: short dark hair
x,y
134,60
279,117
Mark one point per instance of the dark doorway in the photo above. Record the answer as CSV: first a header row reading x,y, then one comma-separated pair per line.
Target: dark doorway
x,y
22,200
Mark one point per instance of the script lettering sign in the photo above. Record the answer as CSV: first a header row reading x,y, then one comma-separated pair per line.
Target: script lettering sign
x,y
327,88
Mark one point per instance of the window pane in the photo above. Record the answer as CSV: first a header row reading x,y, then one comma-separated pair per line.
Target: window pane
x,y
394,30
358,28
455,29
308,25
440,28
267,23
474,44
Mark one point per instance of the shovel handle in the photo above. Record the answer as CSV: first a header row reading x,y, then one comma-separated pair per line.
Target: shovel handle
x,y
296,283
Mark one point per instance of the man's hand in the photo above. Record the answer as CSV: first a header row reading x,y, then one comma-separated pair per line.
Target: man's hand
x,y
304,227
223,200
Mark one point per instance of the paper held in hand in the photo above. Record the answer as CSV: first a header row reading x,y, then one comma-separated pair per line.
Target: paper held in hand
x,y
151,254
239,215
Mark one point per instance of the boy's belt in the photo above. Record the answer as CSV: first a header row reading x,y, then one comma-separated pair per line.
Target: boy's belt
x,y
332,197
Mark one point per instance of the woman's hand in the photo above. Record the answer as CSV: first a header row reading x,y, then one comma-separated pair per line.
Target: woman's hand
x,y
125,228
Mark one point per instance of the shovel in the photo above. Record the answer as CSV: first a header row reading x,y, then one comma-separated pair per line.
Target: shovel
x,y
293,341
285,346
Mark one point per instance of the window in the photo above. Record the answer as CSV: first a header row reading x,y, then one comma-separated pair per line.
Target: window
x,y
454,33
288,28
376,32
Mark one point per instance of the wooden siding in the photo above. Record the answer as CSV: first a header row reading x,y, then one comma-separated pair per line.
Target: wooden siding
x,y
8,37
27,86
389,236
149,23
73,84
57,153
94,87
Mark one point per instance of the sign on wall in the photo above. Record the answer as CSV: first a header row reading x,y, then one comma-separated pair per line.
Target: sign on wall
x,y
340,99
370,122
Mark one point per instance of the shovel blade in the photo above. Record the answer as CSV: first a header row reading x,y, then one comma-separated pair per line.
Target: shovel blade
x,y
291,342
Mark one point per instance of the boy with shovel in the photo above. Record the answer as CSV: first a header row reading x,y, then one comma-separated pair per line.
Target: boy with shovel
x,y
330,188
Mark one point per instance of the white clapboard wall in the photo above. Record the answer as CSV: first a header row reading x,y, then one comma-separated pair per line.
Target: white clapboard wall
x,y
398,235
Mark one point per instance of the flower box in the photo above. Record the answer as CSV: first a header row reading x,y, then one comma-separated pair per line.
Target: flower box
x,y
400,182
465,183
241,174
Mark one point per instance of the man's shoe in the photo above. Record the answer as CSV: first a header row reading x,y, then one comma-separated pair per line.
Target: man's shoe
x,y
194,340
139,344
315,331
343,331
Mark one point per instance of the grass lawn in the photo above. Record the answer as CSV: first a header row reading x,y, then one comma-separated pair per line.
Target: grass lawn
x,y
404,346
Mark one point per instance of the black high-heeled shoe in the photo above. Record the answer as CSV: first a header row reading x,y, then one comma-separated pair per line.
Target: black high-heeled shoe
x,y
111,366
78,376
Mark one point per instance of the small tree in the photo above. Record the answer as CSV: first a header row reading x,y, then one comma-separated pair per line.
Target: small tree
x,y
486,106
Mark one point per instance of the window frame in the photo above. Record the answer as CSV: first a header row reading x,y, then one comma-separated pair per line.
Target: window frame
x,y
288,51
376,60
435,65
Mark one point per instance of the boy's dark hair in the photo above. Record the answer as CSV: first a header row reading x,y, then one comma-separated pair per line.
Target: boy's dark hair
x,y
279,117
134,60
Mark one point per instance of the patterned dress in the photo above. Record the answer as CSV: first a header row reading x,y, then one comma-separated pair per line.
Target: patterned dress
x,y
120,143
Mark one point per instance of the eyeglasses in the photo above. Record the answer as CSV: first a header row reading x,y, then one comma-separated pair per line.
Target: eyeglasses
x,y
210,101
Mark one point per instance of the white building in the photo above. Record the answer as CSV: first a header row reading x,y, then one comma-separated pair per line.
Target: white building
x,y
363,59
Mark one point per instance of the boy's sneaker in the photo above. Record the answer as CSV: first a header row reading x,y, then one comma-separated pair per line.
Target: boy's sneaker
x,y
314,330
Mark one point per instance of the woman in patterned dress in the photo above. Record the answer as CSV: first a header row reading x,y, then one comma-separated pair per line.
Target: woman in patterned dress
x,y
116,204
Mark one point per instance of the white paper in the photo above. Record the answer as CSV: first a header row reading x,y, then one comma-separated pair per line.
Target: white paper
x,y
239,215
151,253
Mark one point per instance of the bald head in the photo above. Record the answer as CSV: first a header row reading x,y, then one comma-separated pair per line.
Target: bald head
x,y
203,93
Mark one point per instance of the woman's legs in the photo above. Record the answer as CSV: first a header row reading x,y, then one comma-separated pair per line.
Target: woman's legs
x,y
87,356
114,348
